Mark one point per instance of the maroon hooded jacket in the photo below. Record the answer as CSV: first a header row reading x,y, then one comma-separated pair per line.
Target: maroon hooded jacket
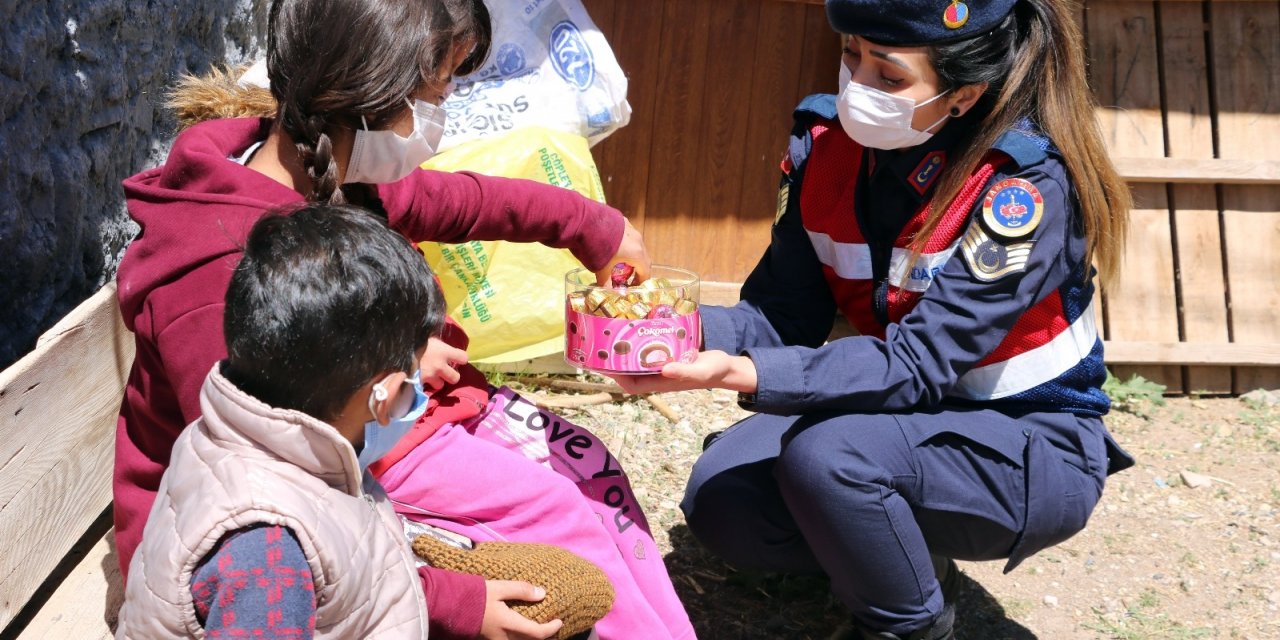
x,y
195,212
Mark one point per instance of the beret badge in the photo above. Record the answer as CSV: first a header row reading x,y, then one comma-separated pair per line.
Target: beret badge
x,y
955,15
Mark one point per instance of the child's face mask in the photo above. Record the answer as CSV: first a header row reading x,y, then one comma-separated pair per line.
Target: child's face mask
x,y
380,439
383,157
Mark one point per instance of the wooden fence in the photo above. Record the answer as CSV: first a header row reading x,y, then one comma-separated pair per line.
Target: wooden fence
x,y
1190,97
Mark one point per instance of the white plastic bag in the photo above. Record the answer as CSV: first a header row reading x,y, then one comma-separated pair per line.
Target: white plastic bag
x,y
549,66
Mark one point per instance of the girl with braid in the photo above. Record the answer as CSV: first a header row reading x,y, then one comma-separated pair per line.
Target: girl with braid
x,y
356,87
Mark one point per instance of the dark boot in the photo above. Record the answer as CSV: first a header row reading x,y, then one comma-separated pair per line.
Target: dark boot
x,y
948,577
711,437
942,628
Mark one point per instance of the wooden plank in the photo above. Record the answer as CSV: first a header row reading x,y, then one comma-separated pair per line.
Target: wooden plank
x,y
773,88
1195,170
1099,302
58,409
724,294
733,55
635,35
677,130
819,70
1198,240
1260,356
1125,68
87,602
1245,54
602,13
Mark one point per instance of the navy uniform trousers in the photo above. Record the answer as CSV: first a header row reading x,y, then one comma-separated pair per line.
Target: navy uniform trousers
x,y
865,498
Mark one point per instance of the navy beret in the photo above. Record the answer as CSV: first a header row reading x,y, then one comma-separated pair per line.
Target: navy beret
x,y
912,23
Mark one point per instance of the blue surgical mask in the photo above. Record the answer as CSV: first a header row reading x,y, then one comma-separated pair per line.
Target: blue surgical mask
x,y
380,439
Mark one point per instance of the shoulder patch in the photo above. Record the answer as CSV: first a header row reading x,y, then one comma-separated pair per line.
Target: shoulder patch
x,y
1012,209
990,260
928,170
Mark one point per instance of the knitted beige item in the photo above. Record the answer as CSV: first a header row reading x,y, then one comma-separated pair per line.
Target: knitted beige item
x,y
578,592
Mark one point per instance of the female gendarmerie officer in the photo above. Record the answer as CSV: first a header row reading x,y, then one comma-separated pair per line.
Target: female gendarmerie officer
x,y
949,202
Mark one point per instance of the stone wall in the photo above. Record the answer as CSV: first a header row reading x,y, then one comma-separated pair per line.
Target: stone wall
x,y
82,87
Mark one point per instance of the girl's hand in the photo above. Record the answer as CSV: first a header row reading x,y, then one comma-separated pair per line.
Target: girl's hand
x,y
502,623
632,252
711,370
440,364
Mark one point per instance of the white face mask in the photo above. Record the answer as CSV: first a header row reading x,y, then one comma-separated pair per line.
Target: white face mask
x,y
879,120
382,157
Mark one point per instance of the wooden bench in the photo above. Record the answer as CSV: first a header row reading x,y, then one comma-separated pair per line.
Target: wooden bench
x,y
59,577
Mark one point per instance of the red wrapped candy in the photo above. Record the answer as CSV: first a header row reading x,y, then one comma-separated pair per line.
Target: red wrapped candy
x,y
661,311
622,275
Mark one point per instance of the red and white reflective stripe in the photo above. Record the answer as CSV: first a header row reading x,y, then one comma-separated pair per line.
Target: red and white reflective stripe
x,y
1033,368
852,261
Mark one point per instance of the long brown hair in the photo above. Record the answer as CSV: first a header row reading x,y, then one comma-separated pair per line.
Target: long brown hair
x,y
333,61
1033,63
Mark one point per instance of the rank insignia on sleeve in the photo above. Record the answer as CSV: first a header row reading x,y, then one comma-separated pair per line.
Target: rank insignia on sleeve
x,y
784,197
1012,209
990,260
927,171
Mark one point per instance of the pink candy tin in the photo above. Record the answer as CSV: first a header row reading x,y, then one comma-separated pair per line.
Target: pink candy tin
x,y
632,329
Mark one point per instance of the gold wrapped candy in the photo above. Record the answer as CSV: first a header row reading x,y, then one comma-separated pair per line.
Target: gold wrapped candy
x,y
656,297
684,306
596,298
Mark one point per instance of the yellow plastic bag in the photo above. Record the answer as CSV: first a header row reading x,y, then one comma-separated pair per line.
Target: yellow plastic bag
x,y
509,296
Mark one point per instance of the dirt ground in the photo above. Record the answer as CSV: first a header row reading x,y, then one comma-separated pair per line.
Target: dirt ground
x,y
1184,545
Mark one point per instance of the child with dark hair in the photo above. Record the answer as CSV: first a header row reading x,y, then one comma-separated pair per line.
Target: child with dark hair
x,y
353,112
267,522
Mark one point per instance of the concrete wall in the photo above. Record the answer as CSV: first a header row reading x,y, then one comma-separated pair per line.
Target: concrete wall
x,y
82,86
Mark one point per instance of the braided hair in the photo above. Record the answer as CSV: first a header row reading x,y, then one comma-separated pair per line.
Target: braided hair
x,y
342,63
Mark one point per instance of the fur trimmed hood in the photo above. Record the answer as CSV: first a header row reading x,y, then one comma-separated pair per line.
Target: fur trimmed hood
x,y
219,94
